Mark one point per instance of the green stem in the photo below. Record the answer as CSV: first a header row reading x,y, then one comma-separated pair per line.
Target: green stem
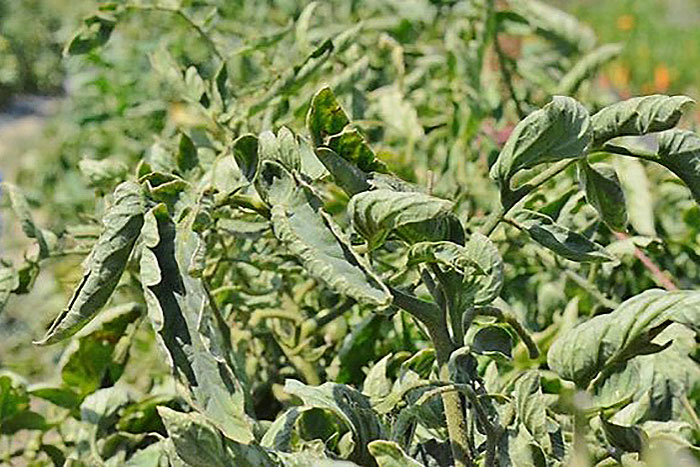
x,y
177,12
516,197
434,320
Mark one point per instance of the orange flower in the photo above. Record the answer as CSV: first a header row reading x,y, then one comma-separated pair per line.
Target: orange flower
x,y
625,22
662,78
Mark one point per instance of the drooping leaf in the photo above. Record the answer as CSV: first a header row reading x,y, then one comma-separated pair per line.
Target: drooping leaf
x,y
20,206
200,444
637,189
376,213
679,151
351,406
605,341
106,263
313,237
352,146
326,117
637,116
185,325
103,173
95,32
586,67
390,454
604,193
562,241
9,281
560,130
348,177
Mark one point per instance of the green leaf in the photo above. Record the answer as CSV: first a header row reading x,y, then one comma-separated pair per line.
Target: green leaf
x,y
9,281
326,117
638,116
143,417
186,325
245,152
556,25
58,395
562,241
186,158
103,173
493,340
531,407
90,362
487,286
447,254
626,438
606,341
21,209
390,454
587,67
352,146
200,444
351,406
13,396
604,193
315,240
95,32
374,214
560,130
636,186
348,177
105,265
679,151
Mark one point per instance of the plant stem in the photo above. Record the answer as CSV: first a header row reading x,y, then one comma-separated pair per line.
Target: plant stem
x,y
202,33
660,277
514,198
434,320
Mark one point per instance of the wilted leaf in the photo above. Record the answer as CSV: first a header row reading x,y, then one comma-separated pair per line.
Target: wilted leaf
x,y
21,209
180,313
106,263
95,32
376,213
637,116
562,241
608,340
350,405
390,454
200,444
560,130
679,151
314,238
604,193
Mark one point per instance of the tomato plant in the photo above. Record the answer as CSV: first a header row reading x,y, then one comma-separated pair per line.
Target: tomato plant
x,y
378,233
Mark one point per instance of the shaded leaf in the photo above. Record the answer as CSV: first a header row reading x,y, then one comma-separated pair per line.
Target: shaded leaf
x,y
636,186
562,241
679,151
604,193
186,158
493,339
95,32
245,152
626,438
106,263
351,406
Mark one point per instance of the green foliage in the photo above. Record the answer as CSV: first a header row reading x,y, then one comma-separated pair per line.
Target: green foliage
x,y
303,258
